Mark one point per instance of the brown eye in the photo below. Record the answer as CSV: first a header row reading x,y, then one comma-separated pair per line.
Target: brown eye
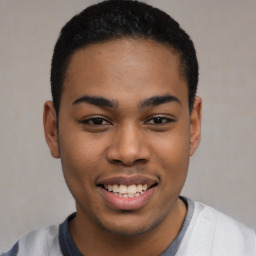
x,y
96,121
160,120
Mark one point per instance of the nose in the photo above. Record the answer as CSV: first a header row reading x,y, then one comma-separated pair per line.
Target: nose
x,y
128,146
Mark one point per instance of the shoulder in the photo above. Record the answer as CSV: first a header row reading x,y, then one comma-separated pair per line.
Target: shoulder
x,y
223,223
38,242
211,230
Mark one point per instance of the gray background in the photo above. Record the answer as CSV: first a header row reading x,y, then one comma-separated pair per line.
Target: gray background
x,y
222,172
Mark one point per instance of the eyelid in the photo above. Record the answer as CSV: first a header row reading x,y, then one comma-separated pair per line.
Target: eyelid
x,y
91,118
169,119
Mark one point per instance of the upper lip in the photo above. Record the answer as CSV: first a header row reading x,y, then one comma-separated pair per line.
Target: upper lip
x,y
128,180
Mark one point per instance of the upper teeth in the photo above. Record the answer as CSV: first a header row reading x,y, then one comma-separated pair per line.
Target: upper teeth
x,y
123,189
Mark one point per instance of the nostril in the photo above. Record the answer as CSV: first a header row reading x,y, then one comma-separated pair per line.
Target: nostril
x,y
129,163
141,160
116,161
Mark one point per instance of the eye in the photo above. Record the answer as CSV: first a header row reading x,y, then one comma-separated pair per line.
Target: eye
x,y
159,120
96,121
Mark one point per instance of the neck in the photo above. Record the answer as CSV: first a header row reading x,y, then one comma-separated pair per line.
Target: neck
x,y
91,239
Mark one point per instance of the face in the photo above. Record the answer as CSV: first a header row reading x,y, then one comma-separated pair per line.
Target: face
x,y
125,134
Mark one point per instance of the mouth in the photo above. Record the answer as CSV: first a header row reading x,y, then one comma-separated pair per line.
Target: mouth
x,y
130,191
127,193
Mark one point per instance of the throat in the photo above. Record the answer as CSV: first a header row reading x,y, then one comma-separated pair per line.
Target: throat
x,y
92,239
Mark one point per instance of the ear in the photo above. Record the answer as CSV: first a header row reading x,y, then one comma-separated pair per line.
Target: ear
x,y
195,125
50,128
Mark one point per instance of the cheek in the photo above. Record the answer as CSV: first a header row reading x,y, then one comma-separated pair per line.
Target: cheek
x,y
173,146
81,159
80,149
174,156
172,153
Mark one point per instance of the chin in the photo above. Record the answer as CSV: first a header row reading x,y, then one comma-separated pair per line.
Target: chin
x,y
130,227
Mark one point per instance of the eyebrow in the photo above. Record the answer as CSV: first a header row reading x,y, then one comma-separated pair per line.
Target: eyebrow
x,y
103,102
158,100
97,101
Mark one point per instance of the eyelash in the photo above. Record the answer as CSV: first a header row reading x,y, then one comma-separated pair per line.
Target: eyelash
x,y
160,118
99,121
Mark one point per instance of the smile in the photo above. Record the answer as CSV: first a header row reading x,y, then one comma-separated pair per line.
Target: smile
x,y
127,191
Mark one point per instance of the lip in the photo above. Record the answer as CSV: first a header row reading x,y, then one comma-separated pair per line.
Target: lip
x,y
131,203
128,180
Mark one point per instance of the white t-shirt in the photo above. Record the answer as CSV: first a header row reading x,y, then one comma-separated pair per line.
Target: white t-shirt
x,y
205,231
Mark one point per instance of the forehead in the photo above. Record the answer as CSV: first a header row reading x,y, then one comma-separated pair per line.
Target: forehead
x,y
125,66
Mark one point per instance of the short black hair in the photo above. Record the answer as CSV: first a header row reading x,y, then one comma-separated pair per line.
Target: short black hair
x,y
116,19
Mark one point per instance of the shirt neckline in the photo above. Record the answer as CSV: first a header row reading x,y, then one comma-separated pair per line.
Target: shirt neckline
x,y
69,248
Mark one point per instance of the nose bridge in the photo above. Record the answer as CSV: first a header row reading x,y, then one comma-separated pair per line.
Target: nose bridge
x,y
128,145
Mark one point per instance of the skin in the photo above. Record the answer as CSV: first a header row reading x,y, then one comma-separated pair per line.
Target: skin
x,y
129,139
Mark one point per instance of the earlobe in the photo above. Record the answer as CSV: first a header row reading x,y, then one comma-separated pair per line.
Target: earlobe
x,y
50,128
195,125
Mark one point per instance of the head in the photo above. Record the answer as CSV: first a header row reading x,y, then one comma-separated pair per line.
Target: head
x,y
111,20
124,77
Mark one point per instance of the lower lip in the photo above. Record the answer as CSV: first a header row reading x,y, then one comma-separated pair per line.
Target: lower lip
x,y
130,203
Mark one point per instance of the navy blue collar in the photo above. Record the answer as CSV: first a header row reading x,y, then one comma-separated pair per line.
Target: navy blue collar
x,y
69,248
